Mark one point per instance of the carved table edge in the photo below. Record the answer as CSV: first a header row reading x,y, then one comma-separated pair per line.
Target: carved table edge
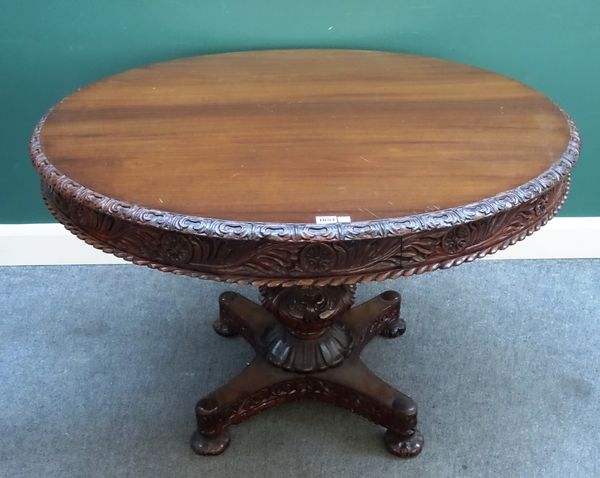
x,y
304,232
324,280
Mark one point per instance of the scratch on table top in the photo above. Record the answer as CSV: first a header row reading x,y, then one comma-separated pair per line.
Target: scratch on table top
x,y
369,211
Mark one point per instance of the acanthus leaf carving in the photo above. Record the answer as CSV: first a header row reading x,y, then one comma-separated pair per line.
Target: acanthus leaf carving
x,y
319,263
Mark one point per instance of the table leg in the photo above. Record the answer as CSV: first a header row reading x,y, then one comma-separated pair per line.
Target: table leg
x,y
246,395
362,392
378,316
240,316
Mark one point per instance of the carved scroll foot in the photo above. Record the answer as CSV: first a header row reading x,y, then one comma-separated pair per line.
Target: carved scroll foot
x,y
223,329
404,446
225,324
393,329
209,444
392,325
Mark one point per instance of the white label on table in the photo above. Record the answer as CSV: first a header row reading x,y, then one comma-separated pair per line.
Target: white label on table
x,y
332,219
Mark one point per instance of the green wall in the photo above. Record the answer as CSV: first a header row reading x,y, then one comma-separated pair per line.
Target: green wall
x,y
48,48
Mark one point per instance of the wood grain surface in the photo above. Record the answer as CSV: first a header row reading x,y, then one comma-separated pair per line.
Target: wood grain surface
x,y
285,136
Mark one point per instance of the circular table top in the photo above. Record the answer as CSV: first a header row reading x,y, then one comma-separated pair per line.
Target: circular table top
x,y
285,136
259,145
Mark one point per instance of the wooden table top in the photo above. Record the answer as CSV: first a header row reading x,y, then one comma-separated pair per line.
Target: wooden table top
x,y
218,166
286,136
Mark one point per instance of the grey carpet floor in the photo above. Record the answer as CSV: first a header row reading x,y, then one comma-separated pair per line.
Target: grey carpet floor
x,y
101,366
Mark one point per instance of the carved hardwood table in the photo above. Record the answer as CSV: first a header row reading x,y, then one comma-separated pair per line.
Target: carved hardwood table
x,y
305,172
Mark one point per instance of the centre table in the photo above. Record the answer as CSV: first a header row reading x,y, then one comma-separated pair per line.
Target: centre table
x,y
305,173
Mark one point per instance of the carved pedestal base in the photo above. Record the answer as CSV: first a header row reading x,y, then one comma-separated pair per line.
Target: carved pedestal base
x,y
308,342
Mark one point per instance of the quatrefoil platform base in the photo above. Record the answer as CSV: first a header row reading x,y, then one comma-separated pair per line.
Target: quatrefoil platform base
x,y
308,342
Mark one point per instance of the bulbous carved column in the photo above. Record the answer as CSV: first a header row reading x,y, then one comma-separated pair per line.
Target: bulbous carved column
x,y
307,336
308,311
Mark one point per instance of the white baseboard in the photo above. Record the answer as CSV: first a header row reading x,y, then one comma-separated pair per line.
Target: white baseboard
x,y
51,244
47,244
